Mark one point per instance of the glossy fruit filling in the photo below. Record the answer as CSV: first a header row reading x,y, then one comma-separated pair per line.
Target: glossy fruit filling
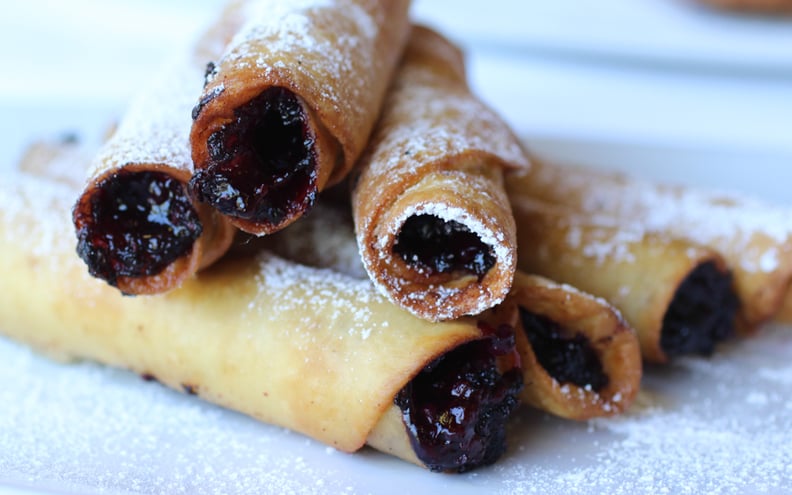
x,y
701,313
456,409
431,245
261,165
568,359
135,224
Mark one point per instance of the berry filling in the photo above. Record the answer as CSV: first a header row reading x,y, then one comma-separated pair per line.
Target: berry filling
x,y
456,408
701,313
431,245
261,165
134,225
567,359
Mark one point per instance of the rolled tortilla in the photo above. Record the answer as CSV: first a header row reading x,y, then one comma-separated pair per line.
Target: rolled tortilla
x,y
432,219
678,296
137,226
580,359
307,349
755,239
290,105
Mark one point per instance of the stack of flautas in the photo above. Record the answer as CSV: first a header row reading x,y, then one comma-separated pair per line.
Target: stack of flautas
x,y
439,285
312,348
306,348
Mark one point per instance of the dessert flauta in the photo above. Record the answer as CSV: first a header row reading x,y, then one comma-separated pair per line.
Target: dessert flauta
x,y
289,105
754,239
432,219
137,226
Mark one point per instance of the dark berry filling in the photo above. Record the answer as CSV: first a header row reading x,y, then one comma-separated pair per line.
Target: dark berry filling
x,y
261,166
432,245
134,225
701,313
456,408
567,359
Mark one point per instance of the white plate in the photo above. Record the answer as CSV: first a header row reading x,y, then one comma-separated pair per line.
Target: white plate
x,y
719,425
700,426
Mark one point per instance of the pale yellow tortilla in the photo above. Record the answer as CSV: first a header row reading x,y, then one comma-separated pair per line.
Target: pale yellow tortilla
x,y
754,239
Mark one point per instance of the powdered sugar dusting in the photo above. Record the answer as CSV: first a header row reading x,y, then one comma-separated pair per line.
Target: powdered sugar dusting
x,y
85,427
279,34
781,376
156,127
441,125
614,247
769,260
306,290
324,238
598,239
700,426
34,214
429,122
495,240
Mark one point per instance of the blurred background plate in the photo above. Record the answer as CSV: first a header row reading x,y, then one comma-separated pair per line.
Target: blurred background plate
x,y
673,33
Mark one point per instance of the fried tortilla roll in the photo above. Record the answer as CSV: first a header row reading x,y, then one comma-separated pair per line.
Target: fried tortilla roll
x,y
755,239
304,348
290,105
677,296
580,359
137,226
432,219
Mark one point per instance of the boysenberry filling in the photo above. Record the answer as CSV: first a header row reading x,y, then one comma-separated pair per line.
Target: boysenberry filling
x,y
567,359
134,225
701,313
456,408
431,245
262,165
